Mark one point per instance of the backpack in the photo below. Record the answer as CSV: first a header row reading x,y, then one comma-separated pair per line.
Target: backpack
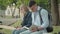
x,y
49,28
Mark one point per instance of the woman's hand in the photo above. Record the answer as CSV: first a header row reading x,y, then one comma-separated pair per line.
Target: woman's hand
x,y
17,28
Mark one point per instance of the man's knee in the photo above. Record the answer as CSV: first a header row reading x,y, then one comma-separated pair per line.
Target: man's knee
x,y
26,32
35,33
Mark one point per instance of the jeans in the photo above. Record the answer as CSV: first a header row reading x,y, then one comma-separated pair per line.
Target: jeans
x,y
18,31
30,32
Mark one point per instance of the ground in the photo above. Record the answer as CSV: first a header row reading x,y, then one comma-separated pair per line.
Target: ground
x,y
7,31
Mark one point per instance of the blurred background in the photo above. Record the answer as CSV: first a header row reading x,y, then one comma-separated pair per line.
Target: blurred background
x,y
10,13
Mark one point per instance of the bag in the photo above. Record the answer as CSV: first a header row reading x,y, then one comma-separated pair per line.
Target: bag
x,y
49,28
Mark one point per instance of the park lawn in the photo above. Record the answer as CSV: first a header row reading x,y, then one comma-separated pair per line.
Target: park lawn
x,y
18,23
56,29
8,17
6,31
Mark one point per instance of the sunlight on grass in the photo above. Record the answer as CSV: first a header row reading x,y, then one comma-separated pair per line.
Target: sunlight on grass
x,y
18,23
56,29
6,31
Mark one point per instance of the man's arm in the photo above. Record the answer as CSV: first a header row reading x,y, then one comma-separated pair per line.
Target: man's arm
x,y
44,15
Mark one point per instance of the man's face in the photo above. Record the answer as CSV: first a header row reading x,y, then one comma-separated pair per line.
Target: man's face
x,y
34,8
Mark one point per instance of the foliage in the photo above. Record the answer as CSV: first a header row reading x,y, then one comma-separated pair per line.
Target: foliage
x,y
5,3
58,1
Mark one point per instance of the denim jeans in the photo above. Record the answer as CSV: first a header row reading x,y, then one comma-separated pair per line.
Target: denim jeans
x,y
18,31
30,32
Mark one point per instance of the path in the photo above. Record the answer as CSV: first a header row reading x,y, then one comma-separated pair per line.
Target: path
x,y
7,27
6,21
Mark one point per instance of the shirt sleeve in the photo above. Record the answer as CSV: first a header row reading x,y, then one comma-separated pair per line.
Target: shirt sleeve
x,y
44,15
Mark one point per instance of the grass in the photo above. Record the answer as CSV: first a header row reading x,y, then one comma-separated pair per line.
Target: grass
x,y
8,17
56,29
6,31
18,23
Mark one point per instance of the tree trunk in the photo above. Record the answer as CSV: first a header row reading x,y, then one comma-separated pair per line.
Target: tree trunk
x,y
59,13
55,12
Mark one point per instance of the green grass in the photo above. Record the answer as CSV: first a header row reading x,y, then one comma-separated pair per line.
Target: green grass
x,y
56,29
6,31
8,17
18,23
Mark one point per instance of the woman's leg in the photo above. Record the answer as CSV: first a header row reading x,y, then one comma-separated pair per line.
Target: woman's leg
x,y
18,31
14,31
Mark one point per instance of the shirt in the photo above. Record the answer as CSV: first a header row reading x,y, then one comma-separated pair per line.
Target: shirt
x,y
36,20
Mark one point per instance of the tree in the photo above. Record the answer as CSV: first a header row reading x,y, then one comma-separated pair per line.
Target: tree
x,y
59,10
54,11
5,3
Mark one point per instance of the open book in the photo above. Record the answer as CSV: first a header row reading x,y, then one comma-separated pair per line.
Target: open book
x,y
32,26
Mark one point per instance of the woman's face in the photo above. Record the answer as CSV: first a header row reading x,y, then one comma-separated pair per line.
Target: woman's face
x,y
22,12
22,9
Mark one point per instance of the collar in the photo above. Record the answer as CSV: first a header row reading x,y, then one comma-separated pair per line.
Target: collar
x,y
38,8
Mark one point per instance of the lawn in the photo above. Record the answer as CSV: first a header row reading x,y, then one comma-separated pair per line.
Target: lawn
x,y
56,29
6,31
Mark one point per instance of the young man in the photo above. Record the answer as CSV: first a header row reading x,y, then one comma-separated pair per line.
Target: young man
x,y
37,27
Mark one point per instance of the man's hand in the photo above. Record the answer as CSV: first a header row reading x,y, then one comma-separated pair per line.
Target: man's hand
x,y
40,28
33,28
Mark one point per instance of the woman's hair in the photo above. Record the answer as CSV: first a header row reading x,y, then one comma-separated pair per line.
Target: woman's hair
x,y
25,8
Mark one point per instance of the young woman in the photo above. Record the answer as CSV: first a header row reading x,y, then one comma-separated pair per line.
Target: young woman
x,y
27,20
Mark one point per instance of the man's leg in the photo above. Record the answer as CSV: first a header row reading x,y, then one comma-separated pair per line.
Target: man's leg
x,y
26,32
37,32
18,31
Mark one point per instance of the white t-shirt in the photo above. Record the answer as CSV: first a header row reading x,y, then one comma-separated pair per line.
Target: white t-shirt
x,y
36,19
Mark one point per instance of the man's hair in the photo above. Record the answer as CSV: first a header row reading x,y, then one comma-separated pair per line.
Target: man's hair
x,y
31,3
